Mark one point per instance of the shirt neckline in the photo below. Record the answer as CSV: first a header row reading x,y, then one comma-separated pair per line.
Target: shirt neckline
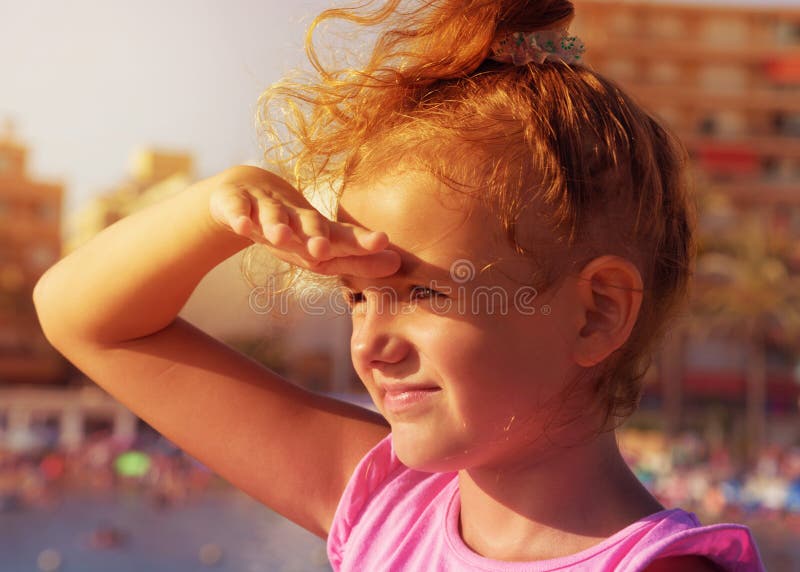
x,y
475,560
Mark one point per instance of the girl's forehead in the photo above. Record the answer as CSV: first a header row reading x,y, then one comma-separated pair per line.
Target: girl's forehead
x,y
408,203
406,198
431,225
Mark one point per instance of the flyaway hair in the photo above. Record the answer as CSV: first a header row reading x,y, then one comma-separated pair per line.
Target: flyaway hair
x,y
571,167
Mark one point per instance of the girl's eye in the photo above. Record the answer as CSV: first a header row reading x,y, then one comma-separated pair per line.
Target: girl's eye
x,y
354,298
422,292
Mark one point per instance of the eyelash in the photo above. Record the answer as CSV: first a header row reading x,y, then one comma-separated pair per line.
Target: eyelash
x,y
416,293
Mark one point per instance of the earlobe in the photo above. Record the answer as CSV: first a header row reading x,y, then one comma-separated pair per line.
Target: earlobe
x,y
609,291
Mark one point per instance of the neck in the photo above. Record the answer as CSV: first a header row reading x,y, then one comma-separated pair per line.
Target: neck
x,y
558,504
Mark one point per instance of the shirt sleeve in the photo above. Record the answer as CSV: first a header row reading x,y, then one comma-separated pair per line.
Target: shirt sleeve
x,y
729,546
370,473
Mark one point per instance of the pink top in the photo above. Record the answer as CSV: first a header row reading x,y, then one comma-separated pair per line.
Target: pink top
x,y
392,518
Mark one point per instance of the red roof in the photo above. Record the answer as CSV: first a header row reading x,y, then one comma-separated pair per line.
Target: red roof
x,y
781,387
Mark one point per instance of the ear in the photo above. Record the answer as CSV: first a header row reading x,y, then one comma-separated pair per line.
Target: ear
x,y
609,291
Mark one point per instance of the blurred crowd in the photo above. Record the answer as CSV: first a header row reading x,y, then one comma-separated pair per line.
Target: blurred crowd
x,y
683,471
686,471
39,476
689,472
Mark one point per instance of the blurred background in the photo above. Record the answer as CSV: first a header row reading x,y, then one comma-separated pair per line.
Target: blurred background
x,y
107,106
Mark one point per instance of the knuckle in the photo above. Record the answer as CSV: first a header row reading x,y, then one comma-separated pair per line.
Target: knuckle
x,y
312,215
271,213
261,192
237,201
317,221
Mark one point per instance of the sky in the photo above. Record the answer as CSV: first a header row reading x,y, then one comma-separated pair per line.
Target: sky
x,y
87,82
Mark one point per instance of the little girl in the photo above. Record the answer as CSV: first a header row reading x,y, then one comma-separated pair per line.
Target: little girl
x,y
513,233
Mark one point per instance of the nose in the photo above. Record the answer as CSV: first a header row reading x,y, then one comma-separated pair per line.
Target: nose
x,y
377,339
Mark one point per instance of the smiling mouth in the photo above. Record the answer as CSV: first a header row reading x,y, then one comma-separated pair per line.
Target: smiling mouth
x,y
405,400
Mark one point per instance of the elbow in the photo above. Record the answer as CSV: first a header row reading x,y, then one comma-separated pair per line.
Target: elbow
x,y
38,292
42,303
39,297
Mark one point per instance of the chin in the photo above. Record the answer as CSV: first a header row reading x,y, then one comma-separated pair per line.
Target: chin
x,y
427,454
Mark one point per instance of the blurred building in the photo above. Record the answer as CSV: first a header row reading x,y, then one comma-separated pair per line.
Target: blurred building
x,y
154,174
726,79
30,241
37,417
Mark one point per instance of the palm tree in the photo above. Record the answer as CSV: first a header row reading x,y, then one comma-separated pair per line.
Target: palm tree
x,y
743,289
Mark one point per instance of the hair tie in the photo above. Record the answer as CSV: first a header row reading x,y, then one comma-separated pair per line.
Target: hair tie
x,y
521,48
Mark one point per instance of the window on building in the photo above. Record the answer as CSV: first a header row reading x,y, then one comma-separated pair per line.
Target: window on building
x,y
786,124
788,32
664,72
41,257
667,27
671,116
794,221
723,123
46,211
12,278
46,425
707,125
715,354
779,358
623,23
621,69
730,123
722,78
97,424
721,31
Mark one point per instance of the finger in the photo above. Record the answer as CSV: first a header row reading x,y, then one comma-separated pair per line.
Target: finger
x,y
347,239
312,229
229,206
278,223
273,220
375,265
319,247
243,226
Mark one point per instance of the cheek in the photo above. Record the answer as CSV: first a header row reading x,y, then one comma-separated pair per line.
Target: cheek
x,y
483,370
505,365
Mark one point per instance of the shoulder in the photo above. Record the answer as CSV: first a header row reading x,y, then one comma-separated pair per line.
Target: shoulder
x,y
688,563
680,542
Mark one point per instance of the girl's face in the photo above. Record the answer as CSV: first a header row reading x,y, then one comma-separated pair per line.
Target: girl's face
x,y
461,362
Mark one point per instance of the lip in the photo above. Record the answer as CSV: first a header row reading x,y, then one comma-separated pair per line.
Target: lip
x,y
407,399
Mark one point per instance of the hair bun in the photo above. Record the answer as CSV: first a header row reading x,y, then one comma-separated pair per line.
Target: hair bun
x,y
530,15
453,37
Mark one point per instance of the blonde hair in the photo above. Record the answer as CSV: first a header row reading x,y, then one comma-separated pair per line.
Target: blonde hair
x,y
556,148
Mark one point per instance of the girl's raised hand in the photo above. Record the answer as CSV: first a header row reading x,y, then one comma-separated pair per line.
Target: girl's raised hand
x,y
263,207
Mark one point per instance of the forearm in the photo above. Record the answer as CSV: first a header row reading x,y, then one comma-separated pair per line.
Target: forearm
x,y
133,278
